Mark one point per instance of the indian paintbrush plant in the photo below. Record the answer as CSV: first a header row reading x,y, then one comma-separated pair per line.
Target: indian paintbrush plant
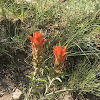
x,y
51,73
60,55
37,50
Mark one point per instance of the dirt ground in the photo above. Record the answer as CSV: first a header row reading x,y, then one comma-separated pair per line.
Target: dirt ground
x,y
12,77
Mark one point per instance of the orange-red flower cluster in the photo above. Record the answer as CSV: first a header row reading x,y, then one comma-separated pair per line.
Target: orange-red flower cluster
x,y
37,48
37,42
60,55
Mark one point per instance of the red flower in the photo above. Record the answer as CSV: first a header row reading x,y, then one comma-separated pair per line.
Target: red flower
x,y
37,44
60,55
37,41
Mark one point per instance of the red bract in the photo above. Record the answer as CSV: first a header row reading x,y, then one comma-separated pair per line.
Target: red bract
x,y
60,55
37,41
37,50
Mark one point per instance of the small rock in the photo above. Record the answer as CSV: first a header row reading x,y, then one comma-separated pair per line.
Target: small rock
x,y
1,94
17,95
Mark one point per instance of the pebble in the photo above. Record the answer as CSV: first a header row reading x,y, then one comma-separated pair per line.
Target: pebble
x,y
17,94
1,94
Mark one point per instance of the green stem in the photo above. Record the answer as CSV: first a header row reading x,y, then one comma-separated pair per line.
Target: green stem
x,y
59,91
48,86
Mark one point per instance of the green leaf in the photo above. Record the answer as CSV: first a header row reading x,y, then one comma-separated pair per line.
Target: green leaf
x,y
57,78
42,80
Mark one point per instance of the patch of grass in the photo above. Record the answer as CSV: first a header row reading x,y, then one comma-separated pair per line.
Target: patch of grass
x,y
73,23
85,78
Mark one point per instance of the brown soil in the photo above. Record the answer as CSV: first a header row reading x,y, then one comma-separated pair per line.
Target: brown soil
x,y
13,76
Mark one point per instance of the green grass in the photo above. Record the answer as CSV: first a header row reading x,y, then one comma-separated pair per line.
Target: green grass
x,y
85,78
74,23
